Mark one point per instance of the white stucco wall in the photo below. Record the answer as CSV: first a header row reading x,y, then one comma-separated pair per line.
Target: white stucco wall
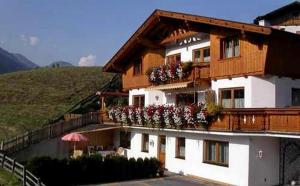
x,y
236,173
151,97
264,170
186,51
270,91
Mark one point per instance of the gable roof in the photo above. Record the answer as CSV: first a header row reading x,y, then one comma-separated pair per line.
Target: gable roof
x,y
287,8
154,19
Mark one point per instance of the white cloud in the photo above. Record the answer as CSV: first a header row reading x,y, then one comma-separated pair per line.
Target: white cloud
x,y
33,40
87,60
29,40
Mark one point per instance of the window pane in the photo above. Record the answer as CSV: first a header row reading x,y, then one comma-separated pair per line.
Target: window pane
x,y
226,98
145,141
239,98
223,153
142,103
206,55
197,56
136,101
211,156
236,46
180,147
295,97
228,48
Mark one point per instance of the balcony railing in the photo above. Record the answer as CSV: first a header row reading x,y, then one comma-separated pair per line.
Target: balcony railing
x,y
248,120
179,73
277,120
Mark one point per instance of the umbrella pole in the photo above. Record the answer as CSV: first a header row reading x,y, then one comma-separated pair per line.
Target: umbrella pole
x,y
74,146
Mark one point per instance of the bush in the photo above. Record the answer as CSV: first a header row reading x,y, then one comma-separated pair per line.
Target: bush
x,y
92,169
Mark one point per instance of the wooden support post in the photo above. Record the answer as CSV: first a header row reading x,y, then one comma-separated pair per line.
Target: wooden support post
x,y
13,166
3,161
102,103
24,176
2,143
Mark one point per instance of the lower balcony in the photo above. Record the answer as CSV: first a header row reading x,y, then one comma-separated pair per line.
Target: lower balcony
x,y
252,120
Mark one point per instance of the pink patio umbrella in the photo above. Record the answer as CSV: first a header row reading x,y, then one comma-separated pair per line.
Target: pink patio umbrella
x,y
75,137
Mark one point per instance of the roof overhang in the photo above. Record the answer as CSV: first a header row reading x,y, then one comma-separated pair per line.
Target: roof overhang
x,y
154,21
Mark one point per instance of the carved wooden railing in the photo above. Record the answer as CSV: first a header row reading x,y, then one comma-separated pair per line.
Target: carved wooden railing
x,y
251,120
272,120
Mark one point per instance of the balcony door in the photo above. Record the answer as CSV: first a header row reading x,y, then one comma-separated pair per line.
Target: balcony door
x,y
138,100
162,149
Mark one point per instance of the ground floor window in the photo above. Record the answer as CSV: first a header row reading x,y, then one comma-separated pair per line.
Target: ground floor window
x,y
125,139
180,148
216,152
232,97
145,142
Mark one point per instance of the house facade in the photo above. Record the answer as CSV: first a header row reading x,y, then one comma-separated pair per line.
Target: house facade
x,y
252,71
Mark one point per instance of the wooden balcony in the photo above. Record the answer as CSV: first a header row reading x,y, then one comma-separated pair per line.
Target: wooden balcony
x,y
285,120
200,71
253,120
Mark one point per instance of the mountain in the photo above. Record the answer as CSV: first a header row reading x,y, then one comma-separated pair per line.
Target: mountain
x,y
25,61
61,64
10,62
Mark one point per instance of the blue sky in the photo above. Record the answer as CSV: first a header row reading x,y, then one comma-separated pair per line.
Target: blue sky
x,y
93,30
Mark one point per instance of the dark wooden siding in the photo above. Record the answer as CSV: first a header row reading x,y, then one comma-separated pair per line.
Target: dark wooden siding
x,y
251,59
150,58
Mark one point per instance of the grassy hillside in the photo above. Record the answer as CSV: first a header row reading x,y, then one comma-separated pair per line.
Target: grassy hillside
x,y
29,99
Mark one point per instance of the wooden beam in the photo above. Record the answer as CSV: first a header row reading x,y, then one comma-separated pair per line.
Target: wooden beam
x,y
177,36
148,43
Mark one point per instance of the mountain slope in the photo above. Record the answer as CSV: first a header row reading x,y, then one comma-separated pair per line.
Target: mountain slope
x,y
10,62
26,62
30,98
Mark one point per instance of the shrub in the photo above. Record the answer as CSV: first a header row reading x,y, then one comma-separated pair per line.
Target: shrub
x,y
92,169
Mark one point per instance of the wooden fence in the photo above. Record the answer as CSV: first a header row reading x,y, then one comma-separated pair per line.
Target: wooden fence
x,y
48,132
19,171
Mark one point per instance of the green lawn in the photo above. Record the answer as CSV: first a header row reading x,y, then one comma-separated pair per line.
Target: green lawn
x,y
29,99
8,179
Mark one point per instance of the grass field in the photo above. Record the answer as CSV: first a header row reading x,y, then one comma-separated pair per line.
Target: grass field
x,y
29,99
8,179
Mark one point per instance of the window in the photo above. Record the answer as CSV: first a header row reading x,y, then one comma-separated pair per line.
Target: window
x,y
197,55
137,67
125,139
180,148
201,55
232,98
174,59
295,96
139,101
145,142
230,47
216,152
186,99
206,55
